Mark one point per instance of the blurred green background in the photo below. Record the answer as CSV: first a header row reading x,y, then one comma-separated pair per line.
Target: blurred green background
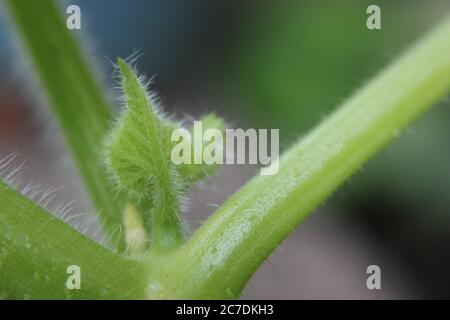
x,y
286,65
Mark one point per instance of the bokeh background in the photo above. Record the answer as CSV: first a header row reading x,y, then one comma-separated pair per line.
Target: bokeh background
x,y
268,64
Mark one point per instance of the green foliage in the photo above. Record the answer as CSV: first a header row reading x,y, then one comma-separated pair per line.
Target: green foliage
x,y
224,253
76,99
221,256
36,249
138,154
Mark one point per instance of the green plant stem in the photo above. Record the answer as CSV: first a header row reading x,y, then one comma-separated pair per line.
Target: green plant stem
x,y
223,254
36,249
75,97
135,233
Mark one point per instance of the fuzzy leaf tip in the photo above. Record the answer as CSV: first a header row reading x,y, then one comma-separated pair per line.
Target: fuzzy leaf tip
x,y
138,156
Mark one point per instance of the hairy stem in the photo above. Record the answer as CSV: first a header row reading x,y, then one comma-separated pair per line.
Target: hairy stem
x,y
74,96
36,250
223,254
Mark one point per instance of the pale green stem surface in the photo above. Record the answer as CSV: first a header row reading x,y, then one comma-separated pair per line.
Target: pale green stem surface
x,y
36,249
75,97
135,233
223,254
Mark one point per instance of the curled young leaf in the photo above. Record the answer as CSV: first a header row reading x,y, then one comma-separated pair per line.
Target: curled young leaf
x,y
138,155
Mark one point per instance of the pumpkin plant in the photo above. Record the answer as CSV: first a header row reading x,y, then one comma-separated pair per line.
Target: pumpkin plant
x,y
138,191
